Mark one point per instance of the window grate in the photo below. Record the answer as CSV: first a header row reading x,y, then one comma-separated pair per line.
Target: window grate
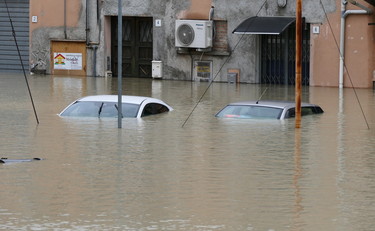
x,y
278,57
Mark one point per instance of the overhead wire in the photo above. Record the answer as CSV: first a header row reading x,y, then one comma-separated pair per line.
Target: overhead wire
x,y
221,67
23,68
345,67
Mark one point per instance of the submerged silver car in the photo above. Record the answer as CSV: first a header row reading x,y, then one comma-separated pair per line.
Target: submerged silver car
x,y
266,110
106,106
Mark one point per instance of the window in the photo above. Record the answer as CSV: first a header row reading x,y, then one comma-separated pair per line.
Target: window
x,y
244,111
154,108
277,57
100,109
304,111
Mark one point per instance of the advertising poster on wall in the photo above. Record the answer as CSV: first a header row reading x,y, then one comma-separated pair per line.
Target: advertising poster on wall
x,y
67,61
203,70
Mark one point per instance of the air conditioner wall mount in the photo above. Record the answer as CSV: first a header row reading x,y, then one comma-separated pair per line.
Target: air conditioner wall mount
x,y
193,33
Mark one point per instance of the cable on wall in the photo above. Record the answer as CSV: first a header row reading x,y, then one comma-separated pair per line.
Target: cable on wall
x,y
346,69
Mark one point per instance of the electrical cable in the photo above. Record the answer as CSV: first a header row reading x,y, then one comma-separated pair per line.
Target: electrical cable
x,y
23,68
222,66
346,69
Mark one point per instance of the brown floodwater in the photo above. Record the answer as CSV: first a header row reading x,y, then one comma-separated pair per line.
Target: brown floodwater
x,y
186,169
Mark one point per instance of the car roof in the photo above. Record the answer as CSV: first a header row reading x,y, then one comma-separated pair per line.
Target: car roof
x,y
114,98
273,103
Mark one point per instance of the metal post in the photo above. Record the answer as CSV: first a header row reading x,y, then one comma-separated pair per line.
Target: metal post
x,y
119,64
342,44
298,62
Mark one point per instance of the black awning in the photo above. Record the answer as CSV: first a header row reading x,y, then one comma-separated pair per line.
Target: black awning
x,y
264,25
372,2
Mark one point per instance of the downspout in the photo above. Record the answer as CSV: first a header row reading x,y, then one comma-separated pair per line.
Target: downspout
x,y
344,14
65,33
92,44
95,47
87,24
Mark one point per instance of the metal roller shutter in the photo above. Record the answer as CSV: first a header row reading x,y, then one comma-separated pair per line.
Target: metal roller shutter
x,y
19,13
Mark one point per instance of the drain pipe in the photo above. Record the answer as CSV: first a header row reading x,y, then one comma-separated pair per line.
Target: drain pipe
x,y
87,24
90,32
344,14
65,32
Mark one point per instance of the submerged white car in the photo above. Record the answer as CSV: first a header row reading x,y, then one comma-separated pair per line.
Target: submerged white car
x,y
266,110
106,106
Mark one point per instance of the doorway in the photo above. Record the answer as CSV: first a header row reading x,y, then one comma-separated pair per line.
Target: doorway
x,y
278,57
136,46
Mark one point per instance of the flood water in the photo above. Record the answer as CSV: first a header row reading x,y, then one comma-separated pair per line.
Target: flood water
x,y
185,169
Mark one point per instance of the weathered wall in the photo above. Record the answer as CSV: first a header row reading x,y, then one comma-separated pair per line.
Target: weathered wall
x,y
54,23
324,68
359,42
51,13
244,57
197,10
359,51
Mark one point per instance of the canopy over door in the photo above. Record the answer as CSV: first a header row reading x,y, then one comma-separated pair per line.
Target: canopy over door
x,y
372,2
264,25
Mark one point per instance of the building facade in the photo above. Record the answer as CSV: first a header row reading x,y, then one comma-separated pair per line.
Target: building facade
x,y
79,37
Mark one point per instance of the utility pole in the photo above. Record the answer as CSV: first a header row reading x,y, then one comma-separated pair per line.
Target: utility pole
x,y
119,64
298,86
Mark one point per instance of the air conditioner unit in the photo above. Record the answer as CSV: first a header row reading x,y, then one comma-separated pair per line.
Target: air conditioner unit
x,y
193,33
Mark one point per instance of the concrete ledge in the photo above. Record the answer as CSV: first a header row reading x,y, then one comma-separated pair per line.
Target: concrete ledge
x,y
194,52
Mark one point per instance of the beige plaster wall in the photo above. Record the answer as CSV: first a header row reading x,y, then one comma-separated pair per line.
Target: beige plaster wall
x,y
359,47
359,51
199,9
50,13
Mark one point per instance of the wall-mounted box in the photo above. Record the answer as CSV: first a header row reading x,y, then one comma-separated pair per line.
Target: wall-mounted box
x,y
157,69
68,57
316,29
233,75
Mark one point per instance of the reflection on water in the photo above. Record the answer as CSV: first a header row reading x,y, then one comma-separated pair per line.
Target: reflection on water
x,y
210,174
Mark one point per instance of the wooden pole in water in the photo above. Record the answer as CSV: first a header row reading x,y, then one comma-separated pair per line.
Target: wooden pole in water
x,y
298,62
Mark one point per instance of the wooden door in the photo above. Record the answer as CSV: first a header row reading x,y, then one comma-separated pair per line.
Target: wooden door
x,y
68,58
136,46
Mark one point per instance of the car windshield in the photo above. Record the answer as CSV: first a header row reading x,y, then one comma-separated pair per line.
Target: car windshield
x,y
100,109
250,111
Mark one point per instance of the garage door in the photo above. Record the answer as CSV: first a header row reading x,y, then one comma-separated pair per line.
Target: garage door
x,y
19,13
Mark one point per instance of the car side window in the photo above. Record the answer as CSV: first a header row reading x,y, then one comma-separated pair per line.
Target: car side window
x,y
304,111
290,113
307,111
154,108
317,110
